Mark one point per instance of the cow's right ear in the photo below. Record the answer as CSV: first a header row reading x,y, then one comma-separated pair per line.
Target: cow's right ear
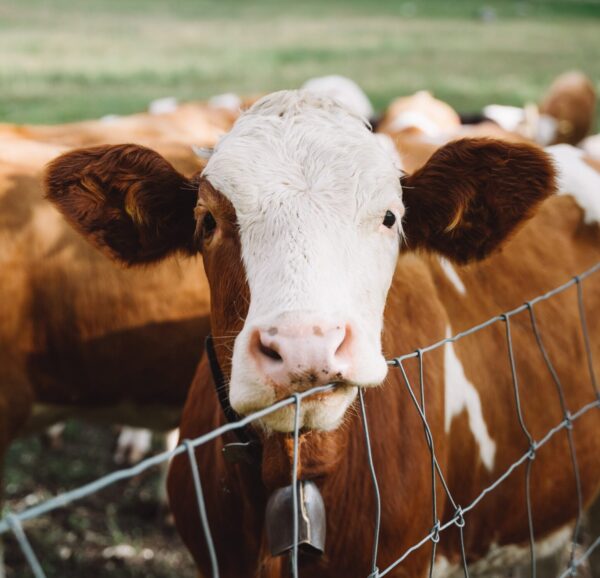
x,y
125,199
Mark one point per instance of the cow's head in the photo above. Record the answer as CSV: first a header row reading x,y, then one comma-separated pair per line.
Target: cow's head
x,y
299,216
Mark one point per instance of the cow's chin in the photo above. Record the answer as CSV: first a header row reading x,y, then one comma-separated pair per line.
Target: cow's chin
x,y
320,412
249,392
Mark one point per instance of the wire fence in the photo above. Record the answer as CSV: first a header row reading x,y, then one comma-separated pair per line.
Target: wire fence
x,y
12,522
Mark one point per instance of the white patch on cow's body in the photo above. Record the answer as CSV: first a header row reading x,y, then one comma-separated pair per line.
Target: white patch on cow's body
x,y
310,184
132,445
415,119
461,395
591,146
163,105
505,558
452,276
526,121
507,117
344,90
228,101
110,118
577,179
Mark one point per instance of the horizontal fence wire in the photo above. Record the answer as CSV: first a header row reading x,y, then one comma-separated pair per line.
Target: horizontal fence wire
x,y
12,522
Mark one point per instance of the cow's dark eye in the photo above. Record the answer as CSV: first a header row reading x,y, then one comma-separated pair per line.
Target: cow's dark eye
x,y
208,226
389,220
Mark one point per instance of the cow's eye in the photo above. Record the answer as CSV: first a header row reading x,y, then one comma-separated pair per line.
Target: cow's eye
x,y
208,226
389,220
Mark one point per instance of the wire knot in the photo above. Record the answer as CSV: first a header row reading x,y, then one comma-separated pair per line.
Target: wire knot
x,y
460,519
436,532
374,574
532,450
568,420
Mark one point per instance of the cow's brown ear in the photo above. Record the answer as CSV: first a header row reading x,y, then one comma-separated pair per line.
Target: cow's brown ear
x,y
126,199
472,194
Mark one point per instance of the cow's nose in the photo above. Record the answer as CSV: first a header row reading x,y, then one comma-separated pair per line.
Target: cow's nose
x,y
298,357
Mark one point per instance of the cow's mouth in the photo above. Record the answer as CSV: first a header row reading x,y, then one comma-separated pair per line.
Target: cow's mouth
x,y
322,410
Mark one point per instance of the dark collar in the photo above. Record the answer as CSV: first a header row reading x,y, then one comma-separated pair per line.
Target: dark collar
x,y
248,446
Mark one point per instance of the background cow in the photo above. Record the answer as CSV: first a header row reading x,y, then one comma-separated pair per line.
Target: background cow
x,y
74,339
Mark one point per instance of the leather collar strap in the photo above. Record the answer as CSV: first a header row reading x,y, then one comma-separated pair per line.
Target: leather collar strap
x,y
245,435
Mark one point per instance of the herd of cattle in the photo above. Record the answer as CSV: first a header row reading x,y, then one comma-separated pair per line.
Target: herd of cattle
x,y
314,245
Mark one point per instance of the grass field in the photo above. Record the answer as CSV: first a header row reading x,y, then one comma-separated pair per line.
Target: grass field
x,y
63,60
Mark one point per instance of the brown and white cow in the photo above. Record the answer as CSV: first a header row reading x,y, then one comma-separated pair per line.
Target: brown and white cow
x,y
322,263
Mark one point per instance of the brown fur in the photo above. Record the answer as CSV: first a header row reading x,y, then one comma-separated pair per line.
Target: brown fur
x,y
190,124
421,305
571,100
103,190
78,333
439,113
487,187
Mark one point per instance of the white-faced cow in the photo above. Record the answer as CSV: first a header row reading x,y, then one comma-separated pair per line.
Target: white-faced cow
x,y
322,262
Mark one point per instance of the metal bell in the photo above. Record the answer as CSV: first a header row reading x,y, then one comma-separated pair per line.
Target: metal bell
x,y
311,520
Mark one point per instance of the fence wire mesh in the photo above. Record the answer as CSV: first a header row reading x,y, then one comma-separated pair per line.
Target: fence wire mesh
x,y
12,522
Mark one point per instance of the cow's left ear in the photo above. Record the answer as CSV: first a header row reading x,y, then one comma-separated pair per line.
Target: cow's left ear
x,y
472,194
127,200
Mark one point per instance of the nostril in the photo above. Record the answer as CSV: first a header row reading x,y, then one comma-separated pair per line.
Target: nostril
x,y
269,352
344,345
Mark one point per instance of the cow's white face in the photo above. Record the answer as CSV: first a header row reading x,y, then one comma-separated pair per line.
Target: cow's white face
x,y
318,203
306,230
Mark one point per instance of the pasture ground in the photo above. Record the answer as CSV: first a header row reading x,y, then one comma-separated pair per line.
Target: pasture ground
x,y
121,532
62,60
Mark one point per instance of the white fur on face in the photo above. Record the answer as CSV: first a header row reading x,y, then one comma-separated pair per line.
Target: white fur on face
x,y
311,186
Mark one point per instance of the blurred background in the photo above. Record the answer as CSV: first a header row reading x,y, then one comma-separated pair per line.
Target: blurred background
x,y
64,60
67,60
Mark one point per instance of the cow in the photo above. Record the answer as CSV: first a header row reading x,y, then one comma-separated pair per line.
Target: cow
x,y
323,260
25,149
193,123
565,115
74,342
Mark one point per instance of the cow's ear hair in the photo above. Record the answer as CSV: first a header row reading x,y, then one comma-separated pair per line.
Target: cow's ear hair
x,y
473,194
125,199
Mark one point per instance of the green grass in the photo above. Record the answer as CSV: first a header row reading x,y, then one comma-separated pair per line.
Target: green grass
x,y
63,60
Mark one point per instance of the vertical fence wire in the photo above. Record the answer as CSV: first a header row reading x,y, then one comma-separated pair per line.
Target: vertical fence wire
x,y
586,335
295,521
202,507
429,438
25,546
568,418
532,445
460,522
374,569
